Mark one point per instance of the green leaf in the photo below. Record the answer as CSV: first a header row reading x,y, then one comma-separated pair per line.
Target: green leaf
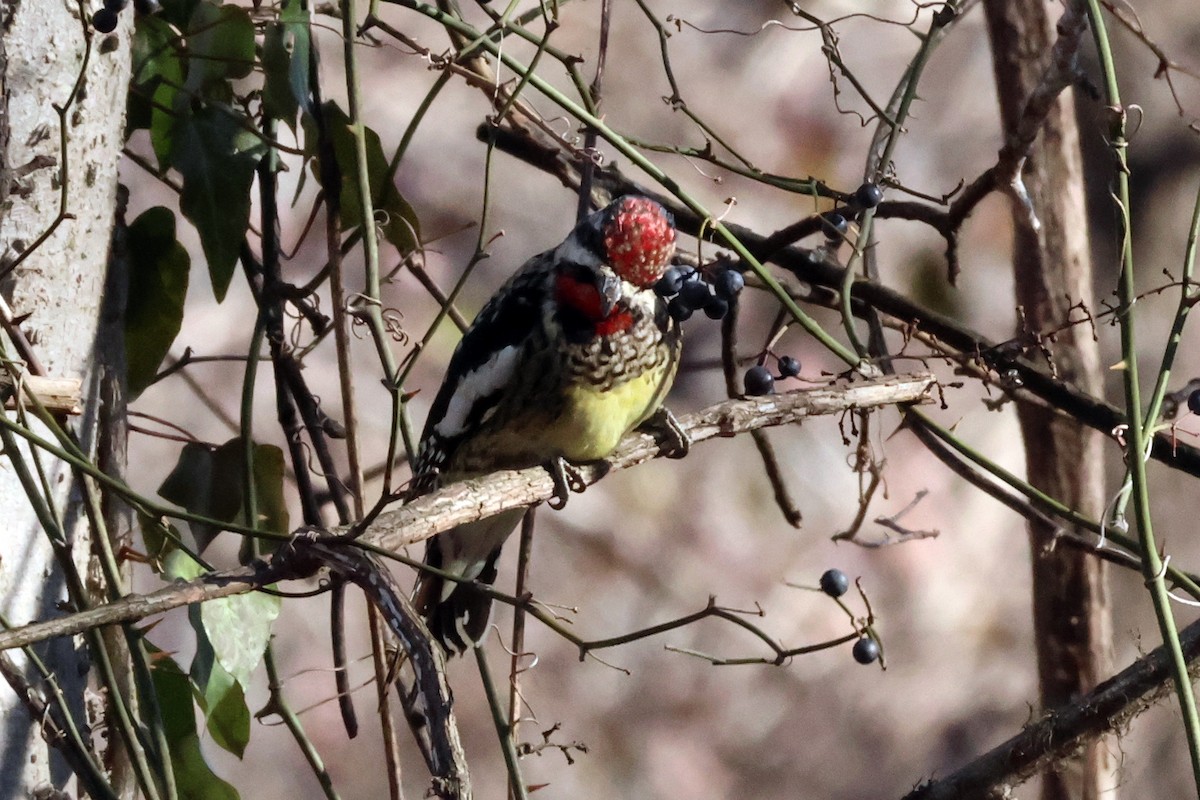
x,y
268,486
158,281
193,777
163,121
231,635
239,628
209,481
216,157
157,78
190,486
398,220
222,698
228,718
220,42
177,12
286,51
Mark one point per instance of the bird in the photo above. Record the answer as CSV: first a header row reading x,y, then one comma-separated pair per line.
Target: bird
x,y
573,352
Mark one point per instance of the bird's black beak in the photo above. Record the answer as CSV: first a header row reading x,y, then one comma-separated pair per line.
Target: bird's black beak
x,y
609,287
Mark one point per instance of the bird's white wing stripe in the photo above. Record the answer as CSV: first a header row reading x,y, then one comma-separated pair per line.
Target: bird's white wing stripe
x,y
487,379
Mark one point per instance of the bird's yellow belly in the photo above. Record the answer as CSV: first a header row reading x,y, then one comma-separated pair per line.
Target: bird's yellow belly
x,y
594,421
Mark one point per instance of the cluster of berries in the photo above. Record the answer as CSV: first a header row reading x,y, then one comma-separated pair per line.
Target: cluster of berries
x,y
105,20
758,380
835,584
688,292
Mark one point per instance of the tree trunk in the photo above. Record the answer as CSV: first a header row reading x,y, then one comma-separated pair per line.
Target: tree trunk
x,y
60,285
1052,267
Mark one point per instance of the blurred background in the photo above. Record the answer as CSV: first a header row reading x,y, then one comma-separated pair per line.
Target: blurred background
x,y
652,544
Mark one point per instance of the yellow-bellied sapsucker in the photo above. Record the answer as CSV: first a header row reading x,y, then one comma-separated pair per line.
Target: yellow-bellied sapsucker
x,y
571,354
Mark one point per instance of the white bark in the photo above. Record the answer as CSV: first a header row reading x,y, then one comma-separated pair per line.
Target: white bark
x,y
60,284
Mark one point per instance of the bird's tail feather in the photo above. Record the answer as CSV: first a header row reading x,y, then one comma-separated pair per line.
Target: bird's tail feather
x,y
460,619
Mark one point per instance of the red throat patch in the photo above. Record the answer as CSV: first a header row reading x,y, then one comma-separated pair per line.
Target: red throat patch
x,y
639,240
585,298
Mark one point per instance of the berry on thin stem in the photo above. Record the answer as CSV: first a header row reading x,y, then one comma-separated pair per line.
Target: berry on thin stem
x,y
834,226
758,380
729,283
716,307
834,582
868,195
695,293
678,309
866,650
670,283
788,367
1193,402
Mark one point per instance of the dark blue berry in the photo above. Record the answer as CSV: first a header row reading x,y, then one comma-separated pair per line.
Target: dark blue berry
x,y
1194,402
716,307
868,195
679,309
729,283
147,6
834,226
670,283
834,582
758,380
696,294
866,650
116,5
788,368
105,20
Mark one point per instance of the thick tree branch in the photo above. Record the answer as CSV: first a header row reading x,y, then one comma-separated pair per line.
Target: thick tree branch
x,y
472,500
501,491
1061,732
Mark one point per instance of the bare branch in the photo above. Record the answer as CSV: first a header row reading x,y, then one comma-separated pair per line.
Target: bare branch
x,y
472,500
1061,731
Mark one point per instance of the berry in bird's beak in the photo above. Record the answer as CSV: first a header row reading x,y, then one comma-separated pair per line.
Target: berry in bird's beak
x,y
639,240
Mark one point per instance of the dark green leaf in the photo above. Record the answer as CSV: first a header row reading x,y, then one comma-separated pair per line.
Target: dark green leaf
x,y
220,43
209,481
228,718
194,779
231,635
157,77
190,485
177,12
221,697
397,219
286,51
158,281
216,157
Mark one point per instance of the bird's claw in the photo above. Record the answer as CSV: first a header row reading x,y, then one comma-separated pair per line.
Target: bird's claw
x,y
674,440
567,478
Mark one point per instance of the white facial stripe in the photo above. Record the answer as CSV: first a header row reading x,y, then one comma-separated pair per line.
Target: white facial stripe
x,y
572,252
476,384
